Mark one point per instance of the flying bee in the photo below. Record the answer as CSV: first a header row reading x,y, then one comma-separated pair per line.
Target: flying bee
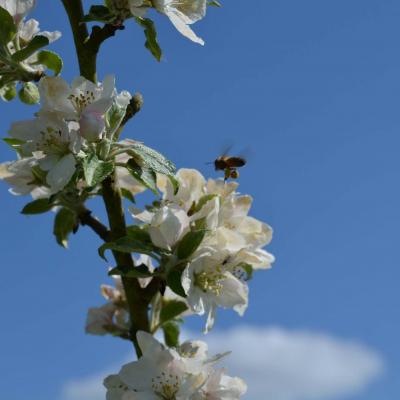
x,y
229,165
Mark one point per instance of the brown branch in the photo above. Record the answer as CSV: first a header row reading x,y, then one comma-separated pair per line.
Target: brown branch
x,y
86,218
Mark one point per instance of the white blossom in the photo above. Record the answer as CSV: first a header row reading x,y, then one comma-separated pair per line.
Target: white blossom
x,y
26,31
166,226
212,280
53,142
183,13
18,174
18,8
84,102
220,386
185,373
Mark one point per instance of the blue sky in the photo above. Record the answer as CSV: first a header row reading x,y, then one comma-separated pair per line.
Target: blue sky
x,y
312,88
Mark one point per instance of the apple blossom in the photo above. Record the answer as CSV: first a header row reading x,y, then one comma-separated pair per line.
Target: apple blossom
x,y
184,373
166,226
19,175
53,142
84,102
210,281
18,8
219,386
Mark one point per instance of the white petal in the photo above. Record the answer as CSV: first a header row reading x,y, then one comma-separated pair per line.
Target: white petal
x,y
61,173
178,21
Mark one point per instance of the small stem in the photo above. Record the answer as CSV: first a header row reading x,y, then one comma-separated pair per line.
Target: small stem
x,y
86,218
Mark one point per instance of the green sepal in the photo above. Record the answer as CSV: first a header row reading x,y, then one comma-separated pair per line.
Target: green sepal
x,y
150,33
171,334
38,206
65,222
174,281
125,244
141,271
34,45
190,243
99,13
50,60
8,28
172,309
95,170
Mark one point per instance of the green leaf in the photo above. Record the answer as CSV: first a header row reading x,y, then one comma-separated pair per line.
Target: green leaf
x,y
172,309
214,3
174,281
38,206
8,29
99,13
174,182
125,244
143,174
248,269
137,233
65,222
151,37
29,93
128,195
34,45
151,158
15,144
141,271
96,170
51,60
171,334
190,243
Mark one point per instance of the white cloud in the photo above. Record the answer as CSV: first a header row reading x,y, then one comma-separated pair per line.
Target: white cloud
x,y
277,364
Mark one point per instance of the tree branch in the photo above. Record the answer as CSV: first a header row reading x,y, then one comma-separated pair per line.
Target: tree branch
x,y
86,218
87,49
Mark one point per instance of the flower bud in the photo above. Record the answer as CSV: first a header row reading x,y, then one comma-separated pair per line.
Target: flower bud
x,y
92,126
29,93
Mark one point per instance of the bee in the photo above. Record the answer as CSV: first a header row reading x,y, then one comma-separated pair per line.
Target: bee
x,y
229,165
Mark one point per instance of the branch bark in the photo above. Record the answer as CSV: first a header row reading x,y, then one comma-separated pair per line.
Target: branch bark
x,y
87,48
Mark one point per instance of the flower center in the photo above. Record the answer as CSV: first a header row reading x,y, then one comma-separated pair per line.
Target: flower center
x,y
210,281
51,142
81,101
165,386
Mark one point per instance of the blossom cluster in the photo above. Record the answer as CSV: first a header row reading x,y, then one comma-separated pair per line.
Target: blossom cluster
x,y
183,373
225,245
216,273
71,127
20,58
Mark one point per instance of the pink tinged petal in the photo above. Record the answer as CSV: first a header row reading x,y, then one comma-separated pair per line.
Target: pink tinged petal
x,y
92,125
61,173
